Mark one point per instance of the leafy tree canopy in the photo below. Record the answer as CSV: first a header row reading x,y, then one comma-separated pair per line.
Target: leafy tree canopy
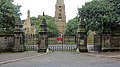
x,y
8,13
100,13
71,27
51,26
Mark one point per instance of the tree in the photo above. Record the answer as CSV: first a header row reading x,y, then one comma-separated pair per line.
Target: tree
x,y
71,27
51,26
100,13
8,13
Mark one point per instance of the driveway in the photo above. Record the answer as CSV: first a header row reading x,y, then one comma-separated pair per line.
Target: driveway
x,y
65,59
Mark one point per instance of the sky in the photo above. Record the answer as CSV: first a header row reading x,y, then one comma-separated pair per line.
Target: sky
x,y
37,7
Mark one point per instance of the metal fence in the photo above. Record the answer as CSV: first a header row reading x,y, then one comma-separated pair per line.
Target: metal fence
x,y
62,43
55,43
31,42
31,47
62,47
97,43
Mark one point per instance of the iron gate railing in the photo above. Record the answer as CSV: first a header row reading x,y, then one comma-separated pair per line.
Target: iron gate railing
x,y
62,48
62,43
31,42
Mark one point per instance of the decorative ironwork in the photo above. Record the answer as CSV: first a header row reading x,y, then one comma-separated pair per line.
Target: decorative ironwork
x,y
62,43
31,42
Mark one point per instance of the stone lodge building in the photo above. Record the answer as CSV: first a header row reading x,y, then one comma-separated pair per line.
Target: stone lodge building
x,y
28,27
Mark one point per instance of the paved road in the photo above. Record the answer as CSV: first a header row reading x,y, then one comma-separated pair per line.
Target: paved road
x,y
65,59
11,56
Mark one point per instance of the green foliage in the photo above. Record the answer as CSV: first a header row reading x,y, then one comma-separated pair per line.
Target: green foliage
x,y
8,14
100,13
51,26
72,26
17,10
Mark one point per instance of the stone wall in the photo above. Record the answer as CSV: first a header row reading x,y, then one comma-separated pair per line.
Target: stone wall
x,y
109,42
6,42
106,42
115,42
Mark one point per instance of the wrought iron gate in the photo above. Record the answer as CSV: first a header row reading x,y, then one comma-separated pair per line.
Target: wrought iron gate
x,y
31,42
62,43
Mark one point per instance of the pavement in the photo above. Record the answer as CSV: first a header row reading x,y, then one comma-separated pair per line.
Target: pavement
x,y
115,54
13,57
65,59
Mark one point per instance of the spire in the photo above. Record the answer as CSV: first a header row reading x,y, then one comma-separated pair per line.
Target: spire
x,y
60,2
43,24
28,14
18,25
43,20
43,14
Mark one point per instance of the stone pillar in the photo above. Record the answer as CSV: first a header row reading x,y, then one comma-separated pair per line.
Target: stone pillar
x,y
18,37
43,37
106,39
81,37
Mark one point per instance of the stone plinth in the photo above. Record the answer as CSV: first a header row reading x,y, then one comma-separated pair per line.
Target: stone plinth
x,y
18,45
42,47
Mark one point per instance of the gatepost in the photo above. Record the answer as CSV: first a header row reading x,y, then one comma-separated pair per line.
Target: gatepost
x,y
81,37
18,37
43,37
106,38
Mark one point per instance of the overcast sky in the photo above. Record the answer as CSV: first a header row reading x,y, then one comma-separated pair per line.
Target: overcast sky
x,y
37,7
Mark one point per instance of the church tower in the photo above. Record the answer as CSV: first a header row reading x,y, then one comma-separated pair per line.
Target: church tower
x,y
60,17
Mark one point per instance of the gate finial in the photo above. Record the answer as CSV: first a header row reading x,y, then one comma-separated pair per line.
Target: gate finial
x,y
43,14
